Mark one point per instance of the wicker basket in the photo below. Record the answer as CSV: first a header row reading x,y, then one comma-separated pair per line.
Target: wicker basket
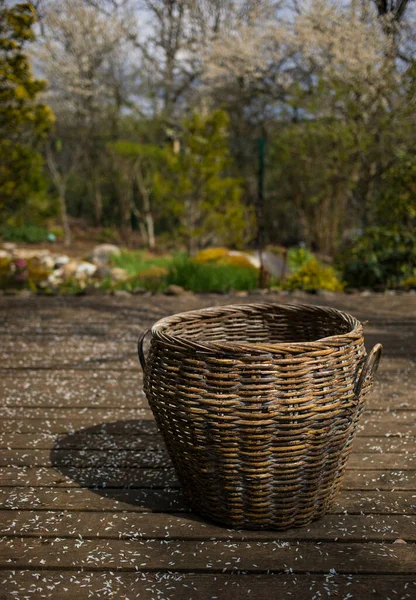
x,y
258,406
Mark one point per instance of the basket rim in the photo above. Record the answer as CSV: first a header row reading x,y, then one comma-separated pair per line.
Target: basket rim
x,y
160,330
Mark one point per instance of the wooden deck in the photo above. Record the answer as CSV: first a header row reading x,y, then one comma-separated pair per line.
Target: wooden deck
x,y
90,504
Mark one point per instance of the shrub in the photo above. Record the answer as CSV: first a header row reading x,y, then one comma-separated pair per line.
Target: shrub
x,y
58,232
107,235
379,258
22,273
30,234
136,262
222,256
211,254
210,277
298,257
5,272
409,283
153,279
237,260
314,276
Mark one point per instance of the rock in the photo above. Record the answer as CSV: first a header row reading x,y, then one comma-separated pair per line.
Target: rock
x,y
101,255
366,293
27,254
121,293
241,294
69,269
118,274
84,270
61,260
138,291
275,264
175,290
4,254
102,272
56,277
9,246
399,541
48,262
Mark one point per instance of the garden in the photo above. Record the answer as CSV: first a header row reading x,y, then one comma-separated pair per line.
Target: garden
x,y
239,170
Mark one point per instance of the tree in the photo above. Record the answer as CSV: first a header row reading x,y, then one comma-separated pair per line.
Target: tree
x,y
24,121
61,163
83,54
206,201
327,81
136,164
172,51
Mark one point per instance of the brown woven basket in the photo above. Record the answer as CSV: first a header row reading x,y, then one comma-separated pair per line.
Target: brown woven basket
x,y
258,406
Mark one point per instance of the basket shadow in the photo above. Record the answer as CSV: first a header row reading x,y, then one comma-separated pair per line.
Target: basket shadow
x,y
125,461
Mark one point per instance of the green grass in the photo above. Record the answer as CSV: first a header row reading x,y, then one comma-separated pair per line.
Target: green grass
x,y
208,277
193,276
135,262
31,234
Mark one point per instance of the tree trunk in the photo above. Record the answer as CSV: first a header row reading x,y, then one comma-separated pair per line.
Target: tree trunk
x,y
150,230
147,210
64,216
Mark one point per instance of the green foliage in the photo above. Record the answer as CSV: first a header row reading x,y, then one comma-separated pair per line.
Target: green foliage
x,y
108,236
310,177
313,276
196,187
153,279
397,204
154,273
136,262
210,277
379,258
24,122
22,273
58,232
409,283
298,257
211,254
22,184
29,234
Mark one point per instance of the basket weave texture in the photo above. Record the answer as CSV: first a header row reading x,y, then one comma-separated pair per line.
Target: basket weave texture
x,y
258,405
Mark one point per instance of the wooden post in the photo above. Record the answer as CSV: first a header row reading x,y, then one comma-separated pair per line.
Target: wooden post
x,y
260,210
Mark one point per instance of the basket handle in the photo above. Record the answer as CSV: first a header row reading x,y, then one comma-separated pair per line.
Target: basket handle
x,y
369,369
140,348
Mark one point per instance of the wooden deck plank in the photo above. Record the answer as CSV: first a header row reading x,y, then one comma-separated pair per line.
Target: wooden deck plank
x,y
215,556
168,585
141,421
71,398
112,389
399,418
100,441
126,525
159,458
139,424
150,478
159,500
